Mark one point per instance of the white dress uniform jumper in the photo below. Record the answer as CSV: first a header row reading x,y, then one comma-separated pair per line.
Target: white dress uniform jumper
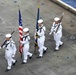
x,y
14,48
9,52
41,40
26,52
57,35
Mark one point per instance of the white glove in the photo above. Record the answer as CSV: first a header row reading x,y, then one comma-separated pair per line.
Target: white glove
x,y
21,42
50,33
13,55
0,47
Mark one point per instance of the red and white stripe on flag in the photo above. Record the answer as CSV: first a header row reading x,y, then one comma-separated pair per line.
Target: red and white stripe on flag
x,y
20,32
21,38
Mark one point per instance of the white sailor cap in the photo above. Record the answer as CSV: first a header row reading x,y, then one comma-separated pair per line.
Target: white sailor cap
x,y
8,35
25,29
56,19
40,21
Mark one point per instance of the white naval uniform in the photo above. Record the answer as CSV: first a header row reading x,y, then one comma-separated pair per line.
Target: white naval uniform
x,y
26,52
9,52
41,40
57,35
14,49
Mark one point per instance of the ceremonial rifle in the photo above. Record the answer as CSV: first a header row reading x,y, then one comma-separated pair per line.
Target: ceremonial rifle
x,y
59,22
6,40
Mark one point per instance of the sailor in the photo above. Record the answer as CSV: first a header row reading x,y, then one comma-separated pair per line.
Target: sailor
x,y
56,29
41,38
14,48
9,52
25,43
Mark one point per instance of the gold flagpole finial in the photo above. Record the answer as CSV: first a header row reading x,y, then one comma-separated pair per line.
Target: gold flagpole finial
x,y
18,6
38,3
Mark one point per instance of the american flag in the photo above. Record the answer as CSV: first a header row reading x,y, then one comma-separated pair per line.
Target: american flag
x,y
20,32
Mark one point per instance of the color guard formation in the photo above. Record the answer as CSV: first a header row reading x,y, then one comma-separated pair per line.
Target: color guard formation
x,y
10,47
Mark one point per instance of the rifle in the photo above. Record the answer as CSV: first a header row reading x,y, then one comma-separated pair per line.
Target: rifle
x,y
59,22
6,40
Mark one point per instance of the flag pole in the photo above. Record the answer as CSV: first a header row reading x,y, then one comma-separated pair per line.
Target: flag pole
x,y
18,7
38,11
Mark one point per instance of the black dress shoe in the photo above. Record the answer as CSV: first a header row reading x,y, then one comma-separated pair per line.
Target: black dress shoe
x,y
44,51
15,63
30,57
7,70
23,63
56,50
38,57
61,45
